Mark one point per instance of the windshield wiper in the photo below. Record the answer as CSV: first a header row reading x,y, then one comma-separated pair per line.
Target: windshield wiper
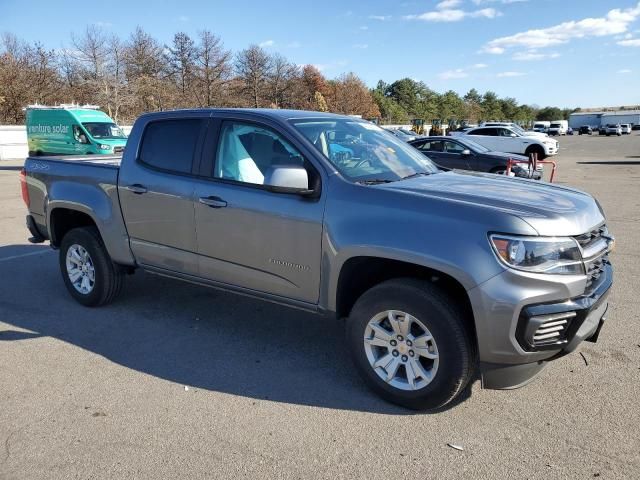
x,y
417,174
374,181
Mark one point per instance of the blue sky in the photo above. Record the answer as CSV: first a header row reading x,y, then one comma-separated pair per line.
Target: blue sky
x,y
546,52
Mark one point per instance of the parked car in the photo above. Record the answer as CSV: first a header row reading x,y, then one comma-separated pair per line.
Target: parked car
x,y
439,275
635,126
465,154
404,134
585,130
517,128
613,129
505,139
625,128
72,130
602,130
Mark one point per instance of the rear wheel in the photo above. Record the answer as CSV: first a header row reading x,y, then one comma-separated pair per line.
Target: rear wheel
x,y
410,344
90,276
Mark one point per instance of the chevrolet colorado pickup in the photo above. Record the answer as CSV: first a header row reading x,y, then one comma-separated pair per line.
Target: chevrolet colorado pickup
x,y
439,275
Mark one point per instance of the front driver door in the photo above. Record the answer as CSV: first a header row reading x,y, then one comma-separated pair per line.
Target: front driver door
x,y
454,157
248,236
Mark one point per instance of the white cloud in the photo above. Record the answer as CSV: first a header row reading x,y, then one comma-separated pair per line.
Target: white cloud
x,y
382,18
510,74
361,46
533,55
454,15
267,44
448,4
364,27
452,74
616,21
634,42
504,2
323,67
624,70
479,65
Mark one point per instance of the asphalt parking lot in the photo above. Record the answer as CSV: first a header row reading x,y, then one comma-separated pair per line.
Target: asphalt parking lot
x,y
174,380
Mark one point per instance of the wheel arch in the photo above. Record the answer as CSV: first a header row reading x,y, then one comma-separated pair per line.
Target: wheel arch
x,y
360,273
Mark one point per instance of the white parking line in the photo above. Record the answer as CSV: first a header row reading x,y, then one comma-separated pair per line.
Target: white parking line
x,y
13,257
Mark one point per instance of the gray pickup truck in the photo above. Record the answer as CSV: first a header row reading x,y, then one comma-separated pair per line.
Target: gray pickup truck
x,y
441,276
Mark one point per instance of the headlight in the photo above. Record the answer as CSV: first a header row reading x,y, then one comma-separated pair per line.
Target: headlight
x,y
104,147
552,255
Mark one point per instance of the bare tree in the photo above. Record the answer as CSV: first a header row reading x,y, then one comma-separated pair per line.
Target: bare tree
x,y
145,70
213,69
280,78
252,67
181,63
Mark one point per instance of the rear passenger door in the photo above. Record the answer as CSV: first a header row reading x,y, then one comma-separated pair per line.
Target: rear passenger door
x,y
156,187
250,237
487,137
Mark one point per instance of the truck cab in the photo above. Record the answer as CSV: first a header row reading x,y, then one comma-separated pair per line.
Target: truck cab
x,y
72,130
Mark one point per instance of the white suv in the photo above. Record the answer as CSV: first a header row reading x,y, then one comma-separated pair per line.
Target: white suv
x,y
612,129
506,139
626,128
516,128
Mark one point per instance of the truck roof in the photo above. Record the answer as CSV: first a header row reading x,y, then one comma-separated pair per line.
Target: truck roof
x,y
282,114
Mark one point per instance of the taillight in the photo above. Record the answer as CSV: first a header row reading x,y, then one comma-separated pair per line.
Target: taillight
x,y
24,187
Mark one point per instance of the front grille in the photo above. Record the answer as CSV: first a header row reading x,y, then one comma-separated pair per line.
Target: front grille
x,y
551,328
595,247
595,269
587,239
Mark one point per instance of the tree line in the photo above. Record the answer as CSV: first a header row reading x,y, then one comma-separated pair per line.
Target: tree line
x,y
127,77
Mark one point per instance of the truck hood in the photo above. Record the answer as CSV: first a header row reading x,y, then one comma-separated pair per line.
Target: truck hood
x,y
551,210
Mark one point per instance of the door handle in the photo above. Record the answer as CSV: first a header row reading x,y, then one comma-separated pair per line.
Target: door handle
x,y
137,189
214,202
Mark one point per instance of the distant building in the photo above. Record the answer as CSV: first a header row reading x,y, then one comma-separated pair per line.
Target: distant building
x,y
598,117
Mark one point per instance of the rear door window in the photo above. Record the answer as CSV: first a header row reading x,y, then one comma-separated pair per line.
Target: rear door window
x,y
489,132
171,144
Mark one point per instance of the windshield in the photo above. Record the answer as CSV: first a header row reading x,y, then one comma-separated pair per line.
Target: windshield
x,y
471,144
406,132
363,152
104,130
518,128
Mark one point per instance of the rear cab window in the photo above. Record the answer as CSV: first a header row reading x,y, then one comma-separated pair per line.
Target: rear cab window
x,y
170,145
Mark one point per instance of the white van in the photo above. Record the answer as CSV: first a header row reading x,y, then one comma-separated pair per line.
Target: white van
x,y
541,126
558,127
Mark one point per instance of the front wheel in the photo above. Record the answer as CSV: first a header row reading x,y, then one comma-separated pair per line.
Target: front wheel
x,y
537,149
410,344
90,276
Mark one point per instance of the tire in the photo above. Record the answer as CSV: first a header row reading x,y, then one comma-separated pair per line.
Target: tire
x,y
535,149
456,358
107,276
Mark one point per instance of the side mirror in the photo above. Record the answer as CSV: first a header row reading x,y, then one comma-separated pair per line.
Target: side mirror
x,y
466,152
288,179
512,135
82,138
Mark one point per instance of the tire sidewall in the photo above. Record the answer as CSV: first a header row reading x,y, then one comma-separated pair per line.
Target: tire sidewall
x,y
453,363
